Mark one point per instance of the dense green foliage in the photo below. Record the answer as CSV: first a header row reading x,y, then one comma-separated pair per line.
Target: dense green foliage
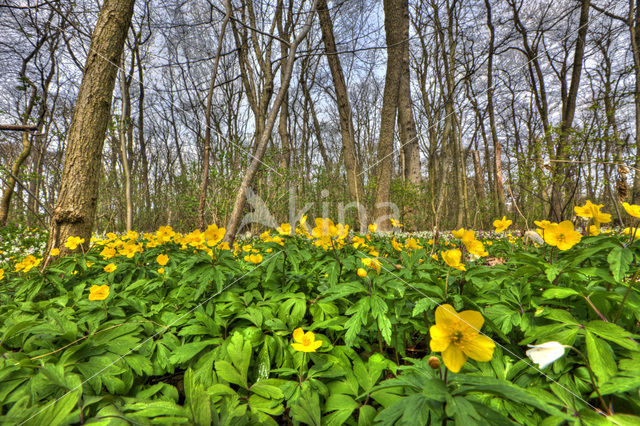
x,y
207,340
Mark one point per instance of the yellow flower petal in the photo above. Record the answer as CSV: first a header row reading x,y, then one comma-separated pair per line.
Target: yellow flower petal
x,y
440,339
445,316
480,349
473,319
454,358
298,335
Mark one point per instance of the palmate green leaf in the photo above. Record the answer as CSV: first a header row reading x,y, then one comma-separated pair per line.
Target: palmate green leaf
x,y
56,413
462,411
239,351
613,333
306,409
196,400
188,351
228,372
600,357
504,389
411,410
619,259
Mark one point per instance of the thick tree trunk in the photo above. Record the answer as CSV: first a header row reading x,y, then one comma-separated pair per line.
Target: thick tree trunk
x,y
75,210
354,178
393,18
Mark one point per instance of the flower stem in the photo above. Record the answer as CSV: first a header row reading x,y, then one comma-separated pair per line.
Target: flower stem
x,y
593,381
626,295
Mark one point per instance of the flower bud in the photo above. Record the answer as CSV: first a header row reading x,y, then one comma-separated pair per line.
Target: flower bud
x,y
434,362
362,273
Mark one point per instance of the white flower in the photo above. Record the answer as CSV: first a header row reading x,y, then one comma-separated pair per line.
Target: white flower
x,y
546,353
533,236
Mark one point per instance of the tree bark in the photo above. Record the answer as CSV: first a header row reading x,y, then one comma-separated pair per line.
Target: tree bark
x,y
354,178
75,210
560,169
393,19
207,131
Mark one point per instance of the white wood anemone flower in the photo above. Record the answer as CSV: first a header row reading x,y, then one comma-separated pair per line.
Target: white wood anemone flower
x,y
546,353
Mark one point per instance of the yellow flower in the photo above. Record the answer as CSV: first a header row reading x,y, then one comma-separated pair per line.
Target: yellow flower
x,y
55,252
396,223
162,259
502,224
452,258
396,245
305,342
110,267
284,229
90,264
164,233
542,225
373,227
627,231
457,336
593,211
108,253
358,241
28,263
253,258
362,273
99,292
594,230
459,233
562,235
372,264
1,273
214,235
161,271
73,242
412,244
476,248
632,210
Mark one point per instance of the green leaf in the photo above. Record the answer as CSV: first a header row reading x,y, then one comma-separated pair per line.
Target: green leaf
x,y
196,400
613,333
239,351
619,259
228,372
307,409
600,357
186,352
559,293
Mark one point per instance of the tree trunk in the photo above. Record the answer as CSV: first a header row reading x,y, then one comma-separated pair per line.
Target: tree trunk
x,y
559,169
354,178
393,19
207,131
241,196
75,210
125,126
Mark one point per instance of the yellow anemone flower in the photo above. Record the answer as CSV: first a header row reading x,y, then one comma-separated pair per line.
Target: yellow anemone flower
x,y
284,229
502,224
73,242
214,235
372,264
305,342
99,292
110,267
457,336
452,258
476,248
632,209
55,252
162,259
593,211
594,230
373,227
562,235
1,273
362,273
